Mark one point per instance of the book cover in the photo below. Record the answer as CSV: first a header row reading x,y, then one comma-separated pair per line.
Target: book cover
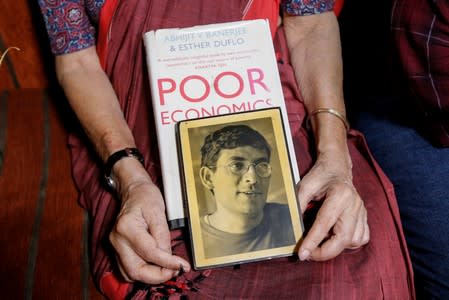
x,y
205,71
239,188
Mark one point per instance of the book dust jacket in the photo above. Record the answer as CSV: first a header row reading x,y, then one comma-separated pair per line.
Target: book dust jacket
x,y
204,71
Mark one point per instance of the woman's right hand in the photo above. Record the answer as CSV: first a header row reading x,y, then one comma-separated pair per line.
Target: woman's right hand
x,y
141,236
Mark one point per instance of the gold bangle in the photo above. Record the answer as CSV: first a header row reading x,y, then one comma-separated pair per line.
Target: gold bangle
x,y
332,112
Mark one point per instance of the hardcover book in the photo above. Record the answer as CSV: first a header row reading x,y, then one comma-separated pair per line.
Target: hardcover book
x,y
239,188
204,71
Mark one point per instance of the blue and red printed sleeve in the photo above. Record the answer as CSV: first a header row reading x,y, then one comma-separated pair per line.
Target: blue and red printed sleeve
x,y
68,25
307,7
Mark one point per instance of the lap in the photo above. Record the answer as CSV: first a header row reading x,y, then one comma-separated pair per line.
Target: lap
x,y
377,270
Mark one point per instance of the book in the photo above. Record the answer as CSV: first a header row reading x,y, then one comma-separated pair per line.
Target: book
x,y
239,188
203,71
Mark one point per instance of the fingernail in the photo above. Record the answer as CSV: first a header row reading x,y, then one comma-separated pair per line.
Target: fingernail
x,y
304,254
181,269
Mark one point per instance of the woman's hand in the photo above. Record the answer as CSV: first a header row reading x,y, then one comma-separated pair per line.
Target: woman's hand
x,y
341,222
141,236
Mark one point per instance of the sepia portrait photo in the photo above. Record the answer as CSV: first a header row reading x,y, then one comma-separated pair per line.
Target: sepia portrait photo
x,y
239,188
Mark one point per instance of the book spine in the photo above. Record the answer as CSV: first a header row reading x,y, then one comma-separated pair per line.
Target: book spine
x,y
166,140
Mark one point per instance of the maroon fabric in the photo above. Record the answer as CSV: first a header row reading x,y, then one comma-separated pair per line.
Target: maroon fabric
x,y
421,35
379,270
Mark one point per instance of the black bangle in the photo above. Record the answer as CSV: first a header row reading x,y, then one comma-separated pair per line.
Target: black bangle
x,y
115,157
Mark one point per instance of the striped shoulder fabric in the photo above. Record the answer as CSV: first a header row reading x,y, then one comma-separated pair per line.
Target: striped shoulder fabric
x,y
420,30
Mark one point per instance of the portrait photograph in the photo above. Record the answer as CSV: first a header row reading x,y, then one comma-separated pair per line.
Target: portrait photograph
x,y
238,188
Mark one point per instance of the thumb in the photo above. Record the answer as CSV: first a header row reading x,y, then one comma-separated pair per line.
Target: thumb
x,y
304,195
160,232
308,189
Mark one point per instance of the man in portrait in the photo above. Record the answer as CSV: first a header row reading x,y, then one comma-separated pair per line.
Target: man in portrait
x,y
236,169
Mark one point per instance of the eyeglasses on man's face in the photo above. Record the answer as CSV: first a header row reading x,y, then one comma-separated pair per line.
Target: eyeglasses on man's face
x,y
262,168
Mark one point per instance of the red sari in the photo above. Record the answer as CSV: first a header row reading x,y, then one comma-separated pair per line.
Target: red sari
x,y
379,270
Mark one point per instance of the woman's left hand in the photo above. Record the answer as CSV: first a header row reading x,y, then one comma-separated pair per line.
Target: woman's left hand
x,y
341,222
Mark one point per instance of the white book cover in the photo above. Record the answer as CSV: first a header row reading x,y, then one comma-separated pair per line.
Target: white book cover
x,y
203,71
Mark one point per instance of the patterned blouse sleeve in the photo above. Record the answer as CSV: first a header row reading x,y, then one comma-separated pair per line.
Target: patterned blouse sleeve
x,y
68,26
307,7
